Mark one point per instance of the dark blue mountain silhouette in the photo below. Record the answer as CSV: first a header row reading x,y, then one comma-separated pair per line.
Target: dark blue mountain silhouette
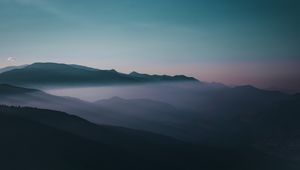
x,y
49,74
5,69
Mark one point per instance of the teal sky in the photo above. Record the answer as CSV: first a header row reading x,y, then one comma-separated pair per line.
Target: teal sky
x,y
230,41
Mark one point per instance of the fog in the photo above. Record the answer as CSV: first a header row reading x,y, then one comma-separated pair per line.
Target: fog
x,y
166,108
193,112
182,95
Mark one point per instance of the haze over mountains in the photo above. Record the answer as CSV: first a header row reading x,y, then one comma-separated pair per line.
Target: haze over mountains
x,y
170,122
138,114
242,112
149,85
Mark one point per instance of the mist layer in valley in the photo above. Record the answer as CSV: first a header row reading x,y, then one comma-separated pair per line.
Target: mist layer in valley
x,y
241,117
255,122
180,94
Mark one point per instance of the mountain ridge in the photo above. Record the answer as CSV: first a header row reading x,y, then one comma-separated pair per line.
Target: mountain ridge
x,y
51,74
9,89
8,68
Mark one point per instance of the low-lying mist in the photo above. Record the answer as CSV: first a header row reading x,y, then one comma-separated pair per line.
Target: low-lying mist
x,y
211,114
180,94
151,90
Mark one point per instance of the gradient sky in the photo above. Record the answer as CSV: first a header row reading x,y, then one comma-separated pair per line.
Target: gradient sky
x,y
231,41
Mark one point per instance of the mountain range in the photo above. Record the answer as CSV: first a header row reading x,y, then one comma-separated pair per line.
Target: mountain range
x,y
142,114
246,117
54,74
161,122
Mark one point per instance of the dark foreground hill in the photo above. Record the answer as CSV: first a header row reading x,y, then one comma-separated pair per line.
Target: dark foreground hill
x,y
42,139
53,74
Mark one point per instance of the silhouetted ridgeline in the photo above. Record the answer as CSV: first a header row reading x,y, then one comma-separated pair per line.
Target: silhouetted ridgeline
x,y
53,74
6,89
5,69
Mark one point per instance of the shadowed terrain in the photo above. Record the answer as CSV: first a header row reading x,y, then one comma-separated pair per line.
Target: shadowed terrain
x,y
149,85
44,139
184,121
246,119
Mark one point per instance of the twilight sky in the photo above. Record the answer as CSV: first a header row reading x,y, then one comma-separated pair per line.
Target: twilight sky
x,y
231,41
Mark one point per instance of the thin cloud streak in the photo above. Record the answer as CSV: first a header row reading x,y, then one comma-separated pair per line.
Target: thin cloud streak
x,y
43,5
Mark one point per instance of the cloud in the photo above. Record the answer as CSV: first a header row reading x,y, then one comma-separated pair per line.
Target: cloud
x,y
45,6
11,59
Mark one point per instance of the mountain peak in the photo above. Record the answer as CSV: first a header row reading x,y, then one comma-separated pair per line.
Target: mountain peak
x,y
48,65
136,74
113,70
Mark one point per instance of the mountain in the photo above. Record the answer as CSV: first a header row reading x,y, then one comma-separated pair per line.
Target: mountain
x,y
238,117
53,74
154,116
277,129
19,96
140,108
141,114
231,117
6,89
9,68
148,77
45,139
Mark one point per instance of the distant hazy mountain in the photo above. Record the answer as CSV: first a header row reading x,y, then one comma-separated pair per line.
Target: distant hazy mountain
x,y
142,114
242,116
18,96
152,115
52,74
143,108
8,90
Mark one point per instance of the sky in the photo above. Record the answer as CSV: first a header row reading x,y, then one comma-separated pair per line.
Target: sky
x,y
229,41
